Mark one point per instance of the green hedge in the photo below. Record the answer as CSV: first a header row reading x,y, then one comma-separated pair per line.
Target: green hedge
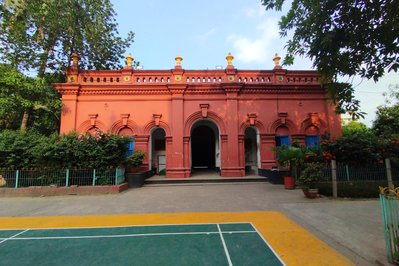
x,y
27,149
354,189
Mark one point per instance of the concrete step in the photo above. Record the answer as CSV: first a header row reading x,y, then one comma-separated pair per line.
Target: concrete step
x,y
202,179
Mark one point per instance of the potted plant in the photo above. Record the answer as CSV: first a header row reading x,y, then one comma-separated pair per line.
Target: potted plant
x,y
133,162
134,176
290,157
310,176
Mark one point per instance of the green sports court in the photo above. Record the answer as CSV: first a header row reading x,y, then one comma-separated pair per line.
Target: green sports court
x,y
195,244
242,238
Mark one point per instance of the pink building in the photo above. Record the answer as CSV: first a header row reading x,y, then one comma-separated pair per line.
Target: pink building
x,y
222,119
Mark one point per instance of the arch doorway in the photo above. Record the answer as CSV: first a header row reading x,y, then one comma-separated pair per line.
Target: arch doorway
x,y
205,151
158,151
252,156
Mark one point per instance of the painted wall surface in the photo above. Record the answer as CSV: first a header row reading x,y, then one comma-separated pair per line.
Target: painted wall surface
x,y
135,102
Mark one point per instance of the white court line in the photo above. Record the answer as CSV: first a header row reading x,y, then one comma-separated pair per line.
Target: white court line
x,y
267,243
126,235
12,237
117,226
226,251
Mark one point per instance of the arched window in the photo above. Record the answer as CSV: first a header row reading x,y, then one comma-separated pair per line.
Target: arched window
x,y
131,147
126,131
312,138
282,136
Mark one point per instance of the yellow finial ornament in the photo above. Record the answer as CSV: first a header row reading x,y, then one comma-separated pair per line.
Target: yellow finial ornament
x,y
75,59
276,60
129,60
178,60
229,59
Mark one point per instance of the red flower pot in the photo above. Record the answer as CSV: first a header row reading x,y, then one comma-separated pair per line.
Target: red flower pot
x,y
289,182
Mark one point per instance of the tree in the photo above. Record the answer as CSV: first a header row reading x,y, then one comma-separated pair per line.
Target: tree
x,y
355,127
41,35
20,94
386,124
343,37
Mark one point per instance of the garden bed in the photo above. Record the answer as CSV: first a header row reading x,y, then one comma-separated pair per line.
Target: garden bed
x,y
61,191
354,189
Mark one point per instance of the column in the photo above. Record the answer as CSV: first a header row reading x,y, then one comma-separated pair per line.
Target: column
x,y
186,155
241,152
168,150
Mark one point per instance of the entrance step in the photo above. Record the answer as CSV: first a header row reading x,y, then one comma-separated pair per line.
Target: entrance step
x,y
156,180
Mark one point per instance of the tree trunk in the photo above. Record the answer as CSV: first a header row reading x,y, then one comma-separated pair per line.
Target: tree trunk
x,y
24,122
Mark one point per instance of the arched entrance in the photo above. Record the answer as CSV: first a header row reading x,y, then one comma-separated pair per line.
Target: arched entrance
x,y
252,156
158,150
205,150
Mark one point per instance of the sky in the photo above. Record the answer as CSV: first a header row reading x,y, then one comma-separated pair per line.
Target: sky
x,y
204,32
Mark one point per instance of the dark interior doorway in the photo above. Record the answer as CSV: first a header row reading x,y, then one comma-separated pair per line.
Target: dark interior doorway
x,y
158,151
203,147
251,151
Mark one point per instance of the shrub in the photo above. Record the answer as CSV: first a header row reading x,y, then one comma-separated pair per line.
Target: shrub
x,y
355,148
27,149
312,174
16,148
136,159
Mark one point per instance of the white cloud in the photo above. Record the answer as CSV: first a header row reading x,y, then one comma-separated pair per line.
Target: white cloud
x,y
260,48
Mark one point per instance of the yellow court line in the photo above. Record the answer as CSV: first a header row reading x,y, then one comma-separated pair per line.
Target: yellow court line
x,y
292,243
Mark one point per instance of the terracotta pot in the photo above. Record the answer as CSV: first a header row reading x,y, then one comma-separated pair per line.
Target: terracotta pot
x,y
311,193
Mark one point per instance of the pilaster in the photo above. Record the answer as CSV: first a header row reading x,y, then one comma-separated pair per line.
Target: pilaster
x,y
232,166
176,159
267,155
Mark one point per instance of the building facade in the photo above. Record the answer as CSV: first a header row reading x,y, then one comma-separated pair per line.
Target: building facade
x,y
223,119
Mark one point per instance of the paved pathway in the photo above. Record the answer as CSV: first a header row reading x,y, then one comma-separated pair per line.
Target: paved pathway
x,y
353,227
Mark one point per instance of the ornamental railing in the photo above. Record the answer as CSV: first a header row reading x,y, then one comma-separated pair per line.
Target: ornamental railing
x,y
389,200
194,77
370,172
17,178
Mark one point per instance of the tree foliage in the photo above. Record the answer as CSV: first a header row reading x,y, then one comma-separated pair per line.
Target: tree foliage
x,y
357,148
386,124
39,36
346,38
42,34
20,94
355,127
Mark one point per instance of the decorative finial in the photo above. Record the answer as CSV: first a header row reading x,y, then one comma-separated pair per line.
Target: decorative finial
x,y
129,60
178,60
229,59
276,60
75,59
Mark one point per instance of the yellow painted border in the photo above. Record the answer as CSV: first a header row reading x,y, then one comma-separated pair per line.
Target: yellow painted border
x,y
292,243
